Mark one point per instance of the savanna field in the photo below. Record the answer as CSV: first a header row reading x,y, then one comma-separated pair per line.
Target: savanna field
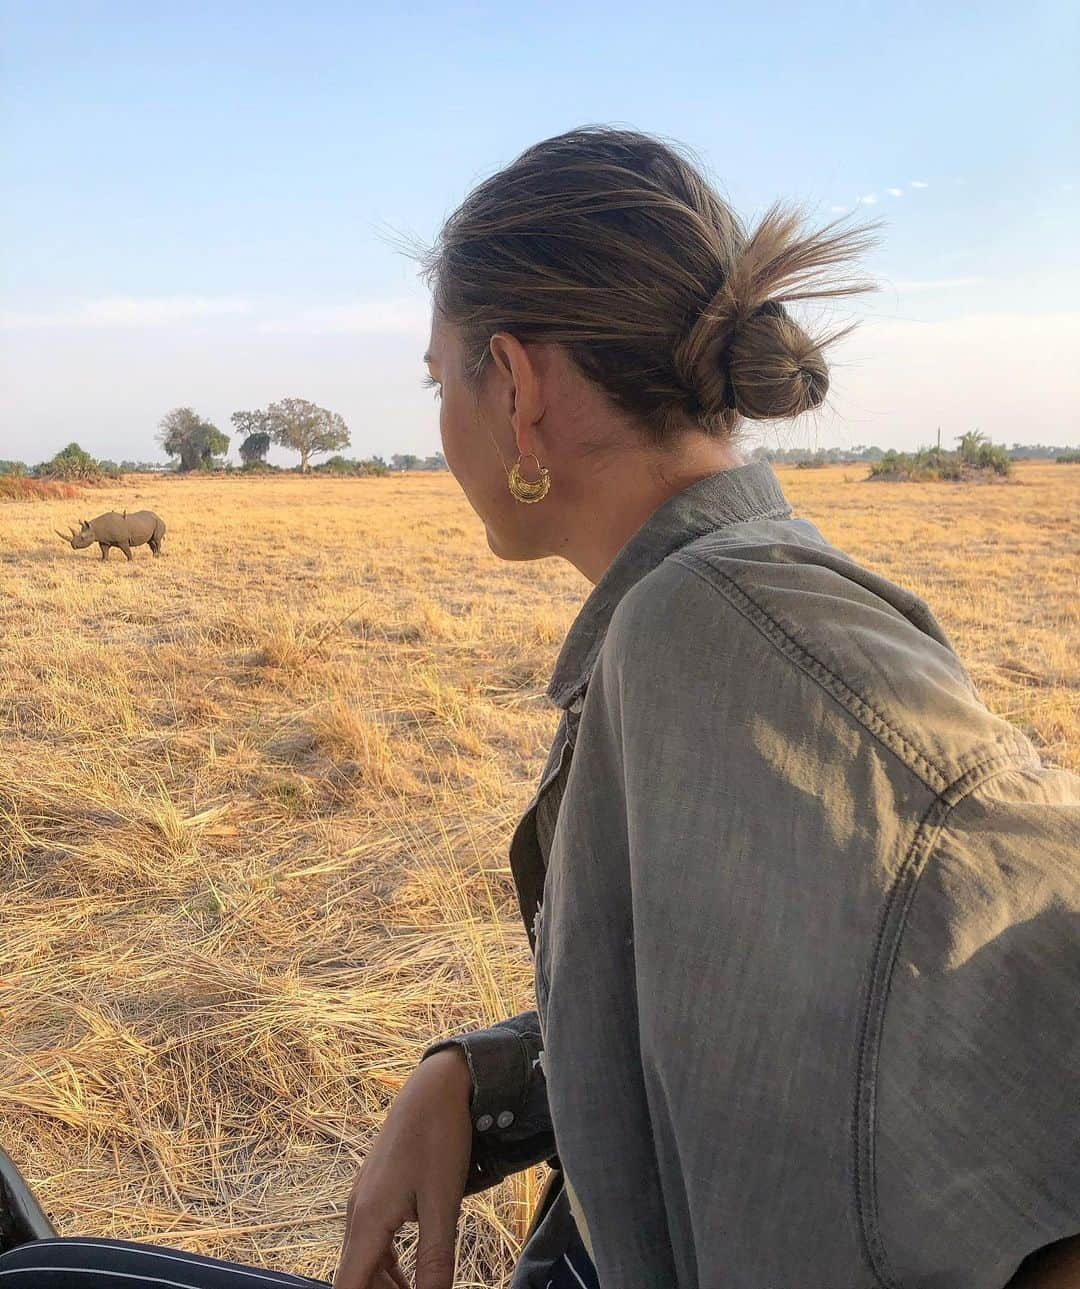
x,y
255,802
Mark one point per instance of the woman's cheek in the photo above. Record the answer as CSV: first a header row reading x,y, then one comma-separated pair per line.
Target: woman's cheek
x,y
447,446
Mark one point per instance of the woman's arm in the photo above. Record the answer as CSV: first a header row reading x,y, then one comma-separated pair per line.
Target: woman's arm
x,y
415,1171
509,1105
1055,1267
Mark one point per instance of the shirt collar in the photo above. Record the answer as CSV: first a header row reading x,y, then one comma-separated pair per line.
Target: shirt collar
x,y
729,497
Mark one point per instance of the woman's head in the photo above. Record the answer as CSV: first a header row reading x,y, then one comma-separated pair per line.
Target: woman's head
x,y
599,284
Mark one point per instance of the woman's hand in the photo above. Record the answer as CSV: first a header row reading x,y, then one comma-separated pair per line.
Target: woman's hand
x,y
415,1171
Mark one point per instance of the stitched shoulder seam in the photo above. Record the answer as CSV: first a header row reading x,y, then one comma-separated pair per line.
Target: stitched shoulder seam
x,y
867,716
934,776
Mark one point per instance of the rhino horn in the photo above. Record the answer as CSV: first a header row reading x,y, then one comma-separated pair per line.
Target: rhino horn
x,y
63,536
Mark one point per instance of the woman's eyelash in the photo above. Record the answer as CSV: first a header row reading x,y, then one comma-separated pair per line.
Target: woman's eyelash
x,y
429,382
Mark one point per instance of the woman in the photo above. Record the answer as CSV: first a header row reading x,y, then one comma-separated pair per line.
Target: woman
x,y
804,912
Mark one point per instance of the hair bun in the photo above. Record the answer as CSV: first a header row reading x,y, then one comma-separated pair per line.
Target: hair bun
x,y
744,353
763,366
775,369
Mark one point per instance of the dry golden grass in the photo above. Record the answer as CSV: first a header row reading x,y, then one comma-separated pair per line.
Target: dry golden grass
x,y
16,487
255,799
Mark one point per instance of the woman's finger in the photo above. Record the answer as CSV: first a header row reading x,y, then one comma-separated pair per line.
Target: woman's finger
x,y
392,1268
437,1214
364,1251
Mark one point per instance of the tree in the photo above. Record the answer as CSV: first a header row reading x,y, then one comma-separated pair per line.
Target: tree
x,y
306,428
255,427
970,443
71,462
254,447
196,442
404,461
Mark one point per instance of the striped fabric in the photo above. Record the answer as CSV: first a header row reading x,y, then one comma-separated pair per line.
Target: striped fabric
x,y
84,1263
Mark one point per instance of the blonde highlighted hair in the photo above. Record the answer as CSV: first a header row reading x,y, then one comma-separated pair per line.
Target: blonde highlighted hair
x,y
612,243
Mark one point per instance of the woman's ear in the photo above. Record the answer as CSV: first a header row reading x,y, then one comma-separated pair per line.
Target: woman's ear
x,y
518,370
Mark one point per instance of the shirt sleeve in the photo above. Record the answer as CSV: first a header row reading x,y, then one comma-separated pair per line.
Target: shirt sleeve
x,y
509,1107
978,1090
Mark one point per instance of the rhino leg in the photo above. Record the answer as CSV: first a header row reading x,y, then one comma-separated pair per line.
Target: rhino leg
x,y
104,547
125,547
155,546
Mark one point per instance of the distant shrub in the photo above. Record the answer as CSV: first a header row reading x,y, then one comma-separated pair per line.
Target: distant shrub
x,y
337,465
976,458
1069,458
410,461
340,465
142,467
12,468
257,466
71,463
993,456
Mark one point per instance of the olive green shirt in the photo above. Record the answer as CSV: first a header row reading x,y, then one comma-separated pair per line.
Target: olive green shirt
x,y
806,919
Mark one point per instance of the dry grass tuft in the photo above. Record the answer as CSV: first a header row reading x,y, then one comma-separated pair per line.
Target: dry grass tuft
x,y
18,487
255,799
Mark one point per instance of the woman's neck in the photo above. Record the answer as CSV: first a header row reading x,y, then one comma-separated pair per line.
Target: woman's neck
x,y
623,489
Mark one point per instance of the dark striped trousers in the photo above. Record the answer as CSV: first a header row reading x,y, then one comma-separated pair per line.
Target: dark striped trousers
x,y
85,1263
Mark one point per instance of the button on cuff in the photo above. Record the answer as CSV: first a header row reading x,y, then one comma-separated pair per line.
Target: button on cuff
x,y
484,1122
505,1119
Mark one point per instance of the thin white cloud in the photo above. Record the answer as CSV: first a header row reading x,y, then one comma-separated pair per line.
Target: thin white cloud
x,y
839,210
127,311
868,199
358,317
895,192
919,183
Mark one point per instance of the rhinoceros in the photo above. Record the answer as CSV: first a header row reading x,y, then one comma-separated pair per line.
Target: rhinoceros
x,y
123,530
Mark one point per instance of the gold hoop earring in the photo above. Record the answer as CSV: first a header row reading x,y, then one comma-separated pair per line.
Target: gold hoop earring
x,y
526,490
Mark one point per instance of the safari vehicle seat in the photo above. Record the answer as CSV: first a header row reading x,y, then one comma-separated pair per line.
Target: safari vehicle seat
x,y
21,1217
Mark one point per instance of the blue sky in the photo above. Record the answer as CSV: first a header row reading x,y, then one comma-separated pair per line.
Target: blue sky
x,y
198,195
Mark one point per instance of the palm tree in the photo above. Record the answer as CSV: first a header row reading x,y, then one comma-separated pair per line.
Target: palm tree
x,y
970,443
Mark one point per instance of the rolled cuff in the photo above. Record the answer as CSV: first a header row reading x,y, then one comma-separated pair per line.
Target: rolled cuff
x,y
511,1122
